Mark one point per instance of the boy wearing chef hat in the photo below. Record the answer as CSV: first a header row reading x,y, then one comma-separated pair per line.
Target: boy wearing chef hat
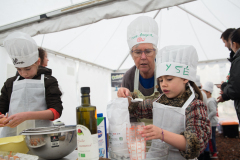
x,y
179,115
33,96
212,114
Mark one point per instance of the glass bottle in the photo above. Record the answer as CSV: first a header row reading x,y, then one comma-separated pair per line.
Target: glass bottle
x,y
87,137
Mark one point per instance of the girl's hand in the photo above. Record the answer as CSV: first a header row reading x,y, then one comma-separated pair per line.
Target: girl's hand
x,y
151,132
16,119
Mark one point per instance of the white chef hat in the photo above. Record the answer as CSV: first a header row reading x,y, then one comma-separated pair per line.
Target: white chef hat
x,y
208,86
180,61
143,29
197,81
22,49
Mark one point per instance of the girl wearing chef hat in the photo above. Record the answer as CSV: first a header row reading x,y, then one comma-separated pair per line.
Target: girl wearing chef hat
x,y
179,115
34,96
212,114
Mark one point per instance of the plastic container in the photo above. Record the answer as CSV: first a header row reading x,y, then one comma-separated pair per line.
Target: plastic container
x,y
155,150
136,143
14,144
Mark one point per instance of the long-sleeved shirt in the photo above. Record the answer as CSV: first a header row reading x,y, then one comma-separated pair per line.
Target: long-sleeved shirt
x,y
52,92
212,111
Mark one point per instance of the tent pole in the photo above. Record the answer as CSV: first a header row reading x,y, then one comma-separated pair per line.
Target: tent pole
x,y
128,54
200,19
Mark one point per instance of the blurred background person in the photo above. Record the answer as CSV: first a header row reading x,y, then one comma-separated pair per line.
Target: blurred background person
x,y
199,85
212,115
225,38
231,89
43,57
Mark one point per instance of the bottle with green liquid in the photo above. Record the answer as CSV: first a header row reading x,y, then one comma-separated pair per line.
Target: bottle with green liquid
x,y
87,136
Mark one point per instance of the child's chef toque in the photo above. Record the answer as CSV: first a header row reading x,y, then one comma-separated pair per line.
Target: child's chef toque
x,y
143,29
197,82
22,49
180,61
208,86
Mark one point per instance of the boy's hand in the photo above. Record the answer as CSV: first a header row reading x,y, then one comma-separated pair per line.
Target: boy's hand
x,y
16,119
151,132
2,120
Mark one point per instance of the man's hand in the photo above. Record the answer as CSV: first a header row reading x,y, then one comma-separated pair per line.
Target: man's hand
x,y
220,99
123,92
221,92
227,77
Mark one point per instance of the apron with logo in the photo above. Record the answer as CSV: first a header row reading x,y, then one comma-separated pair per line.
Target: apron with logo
x,y
140,95
171,119
27,95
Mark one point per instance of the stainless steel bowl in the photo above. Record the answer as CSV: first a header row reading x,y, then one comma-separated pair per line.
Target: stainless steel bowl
x,y
51,142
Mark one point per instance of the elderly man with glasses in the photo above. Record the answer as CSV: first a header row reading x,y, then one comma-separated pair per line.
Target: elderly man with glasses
x,y
140,81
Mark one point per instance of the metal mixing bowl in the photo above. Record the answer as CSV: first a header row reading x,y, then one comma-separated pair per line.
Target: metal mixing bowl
x,y
51,142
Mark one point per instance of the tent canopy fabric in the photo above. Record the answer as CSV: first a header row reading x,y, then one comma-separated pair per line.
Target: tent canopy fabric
x,y
104,42
87,44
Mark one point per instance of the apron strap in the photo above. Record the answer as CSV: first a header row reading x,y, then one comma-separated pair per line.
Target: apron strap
x,y
136,79
155,79
190,99
158,98
17,78
42,78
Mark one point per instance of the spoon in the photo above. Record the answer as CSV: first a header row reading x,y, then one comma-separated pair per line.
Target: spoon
x,y
135,100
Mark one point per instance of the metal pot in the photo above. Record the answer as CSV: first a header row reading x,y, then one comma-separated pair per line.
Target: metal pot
x,y
51,142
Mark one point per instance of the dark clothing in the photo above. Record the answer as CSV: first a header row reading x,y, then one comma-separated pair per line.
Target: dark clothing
x,y
52,92
128,82
146,83
230,59
231,89
214,139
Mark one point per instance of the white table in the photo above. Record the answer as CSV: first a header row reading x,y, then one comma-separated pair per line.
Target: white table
x,y
71,156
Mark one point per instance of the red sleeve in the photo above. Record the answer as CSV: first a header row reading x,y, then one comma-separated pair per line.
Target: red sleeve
x,y
55,114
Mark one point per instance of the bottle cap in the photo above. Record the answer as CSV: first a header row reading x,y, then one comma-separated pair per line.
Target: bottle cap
x,y
100,115
85,90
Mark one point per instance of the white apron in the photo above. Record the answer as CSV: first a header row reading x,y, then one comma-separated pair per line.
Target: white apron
x,y
140,95
27,95
136,80
173,120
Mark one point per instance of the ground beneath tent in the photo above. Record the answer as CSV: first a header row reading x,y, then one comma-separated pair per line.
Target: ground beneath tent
x,y
228,148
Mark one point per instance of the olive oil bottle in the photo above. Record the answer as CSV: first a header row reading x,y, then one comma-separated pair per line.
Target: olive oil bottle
x,y
87,136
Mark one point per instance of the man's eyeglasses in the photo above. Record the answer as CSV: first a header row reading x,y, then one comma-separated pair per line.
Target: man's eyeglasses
x,y
147,52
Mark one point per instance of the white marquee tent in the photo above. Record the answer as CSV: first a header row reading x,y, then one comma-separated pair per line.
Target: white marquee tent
x,y
86,40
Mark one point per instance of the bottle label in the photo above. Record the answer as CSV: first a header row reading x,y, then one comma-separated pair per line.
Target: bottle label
x,y
87,144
